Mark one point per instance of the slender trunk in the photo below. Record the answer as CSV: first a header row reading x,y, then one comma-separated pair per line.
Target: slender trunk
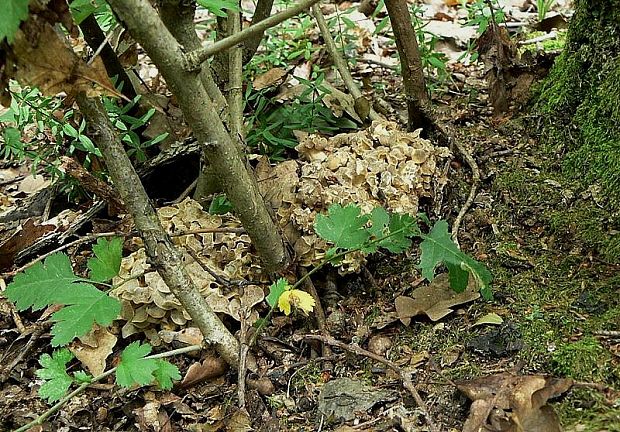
x,y
235,77
95,37
222,153
418,103
263,10
160,249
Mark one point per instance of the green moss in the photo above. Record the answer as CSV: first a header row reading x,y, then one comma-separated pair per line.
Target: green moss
x,y
585,410
584,360
555,44
578,104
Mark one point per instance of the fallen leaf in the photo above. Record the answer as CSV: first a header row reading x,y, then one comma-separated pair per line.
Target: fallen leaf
x,y
271,77
510,403
435,300
94,350
240,421
210,367
32,184
42,58
490,318
27,235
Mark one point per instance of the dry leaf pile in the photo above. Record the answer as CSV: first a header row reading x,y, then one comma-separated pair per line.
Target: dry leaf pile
x,y
381,166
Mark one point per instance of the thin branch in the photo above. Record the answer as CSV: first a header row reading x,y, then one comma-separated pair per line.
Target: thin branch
x,y
404,375
223,154
235,79
341,64
85,239
39,420
262,11
475,180
163,254
194,59
40,328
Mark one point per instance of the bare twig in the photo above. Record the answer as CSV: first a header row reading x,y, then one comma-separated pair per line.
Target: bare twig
x,y
194,59
404,376
205,267
262,11
79,241
92,183
319,313
475,180
233,230
235,79
340,63
40,328
39,420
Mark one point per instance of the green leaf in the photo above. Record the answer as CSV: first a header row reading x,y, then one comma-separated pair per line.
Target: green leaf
x,y
134,368
275,291
82,9
41,284
218,7
82,377
400,228
220,205
438,248
13,13
380,218
343,226
165,373
107,261
54,374
84,306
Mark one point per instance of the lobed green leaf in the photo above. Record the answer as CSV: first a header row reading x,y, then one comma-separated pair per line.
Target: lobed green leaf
x,y
107,261
438,248
56,380
134,368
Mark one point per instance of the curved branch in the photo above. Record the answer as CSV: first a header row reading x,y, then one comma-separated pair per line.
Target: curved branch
x,y
194,59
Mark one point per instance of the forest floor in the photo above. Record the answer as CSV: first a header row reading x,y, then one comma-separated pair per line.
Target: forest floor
x,y
555,295
555,312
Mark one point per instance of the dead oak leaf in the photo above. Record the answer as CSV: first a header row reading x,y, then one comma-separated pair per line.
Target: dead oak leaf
x,y
42,58
512,403
435,300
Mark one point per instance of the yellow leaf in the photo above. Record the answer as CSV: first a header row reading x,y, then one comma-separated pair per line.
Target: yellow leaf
x,y
284,303
299,299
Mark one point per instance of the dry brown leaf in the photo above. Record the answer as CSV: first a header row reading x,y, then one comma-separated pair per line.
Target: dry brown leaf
x,y
93,349
33,183
435,300
510,403
43,59
499,54
148,416
240,421
28,234
271,77
211,367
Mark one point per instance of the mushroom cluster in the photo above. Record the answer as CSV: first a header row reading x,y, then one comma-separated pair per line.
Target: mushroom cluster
x,y
380,166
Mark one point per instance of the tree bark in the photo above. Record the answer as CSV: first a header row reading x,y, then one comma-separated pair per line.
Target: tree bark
x,y
578,107
418,103
160,249
263,10
240,186
94,37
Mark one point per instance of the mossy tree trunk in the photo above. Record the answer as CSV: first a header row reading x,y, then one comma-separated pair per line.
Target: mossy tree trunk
x,y
579,104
